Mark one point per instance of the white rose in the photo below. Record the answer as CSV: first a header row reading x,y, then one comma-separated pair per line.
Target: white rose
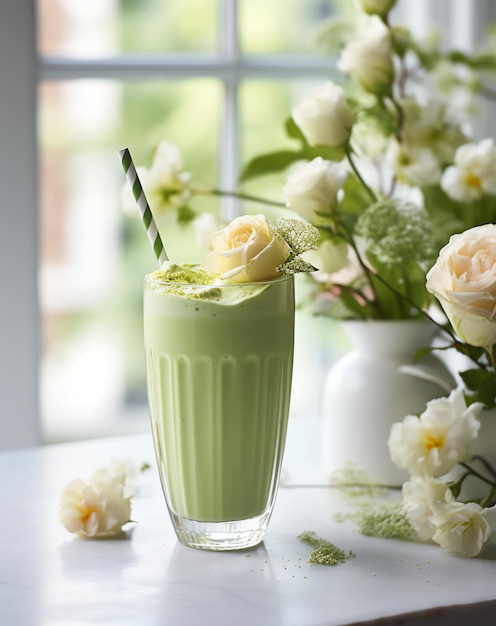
x,y
464,281
432,444
246,251
461,527
313,187
474,172
418,495
376,7
98,508
324,116
369,59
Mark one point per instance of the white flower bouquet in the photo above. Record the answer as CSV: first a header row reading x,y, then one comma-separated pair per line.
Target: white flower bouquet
x,y
431,446
382,165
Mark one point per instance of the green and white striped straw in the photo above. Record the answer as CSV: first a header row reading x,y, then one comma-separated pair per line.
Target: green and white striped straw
x,y
143,206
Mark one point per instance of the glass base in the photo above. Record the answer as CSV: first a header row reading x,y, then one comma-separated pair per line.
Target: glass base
x,y
218,536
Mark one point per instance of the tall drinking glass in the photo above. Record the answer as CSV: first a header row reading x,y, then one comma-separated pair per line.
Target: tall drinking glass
x,y
219,370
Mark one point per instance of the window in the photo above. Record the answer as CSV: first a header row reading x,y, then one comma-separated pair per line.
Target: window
x,y
117,74
114,73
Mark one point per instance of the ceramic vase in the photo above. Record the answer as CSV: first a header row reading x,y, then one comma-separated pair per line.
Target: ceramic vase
x,y
370,388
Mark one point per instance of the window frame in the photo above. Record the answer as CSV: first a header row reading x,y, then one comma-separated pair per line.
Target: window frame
x,y
21,70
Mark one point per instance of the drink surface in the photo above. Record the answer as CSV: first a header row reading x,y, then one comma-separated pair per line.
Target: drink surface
x,y
219,367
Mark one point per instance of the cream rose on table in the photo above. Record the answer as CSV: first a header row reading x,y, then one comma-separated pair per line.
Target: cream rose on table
x,y
324,116
462,528
432,444
246,250
463,279
97,508
418,495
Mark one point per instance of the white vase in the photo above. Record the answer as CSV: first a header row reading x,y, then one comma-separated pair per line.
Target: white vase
x,y
372,387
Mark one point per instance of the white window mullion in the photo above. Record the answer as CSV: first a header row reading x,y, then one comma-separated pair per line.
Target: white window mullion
x,y
230,126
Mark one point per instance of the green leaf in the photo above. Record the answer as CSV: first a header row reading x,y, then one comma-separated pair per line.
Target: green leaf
x,y
483,385
293,131
329,153
478,61
185,215
352,308
270,163
355,198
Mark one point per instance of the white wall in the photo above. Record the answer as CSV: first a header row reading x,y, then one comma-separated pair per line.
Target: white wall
x,y
18,229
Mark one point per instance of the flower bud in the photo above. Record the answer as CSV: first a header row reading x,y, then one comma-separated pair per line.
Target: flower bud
x,y
369,60
376,7
324,116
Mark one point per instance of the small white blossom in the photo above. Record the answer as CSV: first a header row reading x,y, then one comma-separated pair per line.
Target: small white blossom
x,y
164,183
413,165
474,173
462,528
205,225
432,127
432,444
418,495
97,508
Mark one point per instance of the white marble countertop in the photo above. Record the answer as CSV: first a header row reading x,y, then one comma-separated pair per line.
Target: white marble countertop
x,y
49,577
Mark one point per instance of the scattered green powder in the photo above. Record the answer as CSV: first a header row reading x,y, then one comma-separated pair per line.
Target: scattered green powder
x,y
384,521
354,481
371,519
324,552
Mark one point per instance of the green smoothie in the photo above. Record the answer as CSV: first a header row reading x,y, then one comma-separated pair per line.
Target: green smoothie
x,y
219,368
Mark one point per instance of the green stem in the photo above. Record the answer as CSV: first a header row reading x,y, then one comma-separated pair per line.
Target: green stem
x,y
237,194
477,475
400,117
355,292
369,191
489,498
366,270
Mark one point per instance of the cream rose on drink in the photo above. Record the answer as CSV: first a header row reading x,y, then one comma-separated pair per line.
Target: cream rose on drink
x,y
246,251
464,281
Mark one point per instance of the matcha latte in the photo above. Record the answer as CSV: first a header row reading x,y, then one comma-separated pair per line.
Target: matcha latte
x,y
219,352
219,367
